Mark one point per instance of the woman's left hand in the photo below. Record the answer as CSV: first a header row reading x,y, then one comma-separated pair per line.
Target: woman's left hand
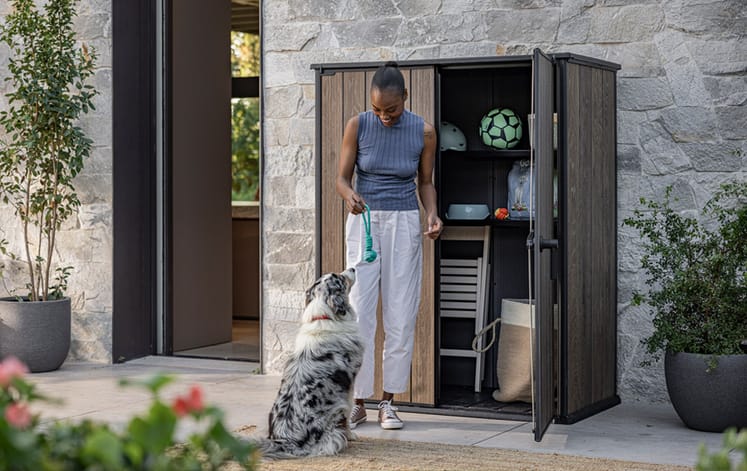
x,y
435,226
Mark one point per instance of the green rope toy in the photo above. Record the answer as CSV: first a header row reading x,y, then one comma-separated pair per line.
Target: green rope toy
x,y
369,255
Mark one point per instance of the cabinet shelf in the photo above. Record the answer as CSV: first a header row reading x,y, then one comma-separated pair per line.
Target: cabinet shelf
x,y
489,154
492,222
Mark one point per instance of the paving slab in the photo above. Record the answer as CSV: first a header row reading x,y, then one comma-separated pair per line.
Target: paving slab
x,y
635,431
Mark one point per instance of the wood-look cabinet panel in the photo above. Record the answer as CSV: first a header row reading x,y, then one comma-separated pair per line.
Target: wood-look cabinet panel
x,y
332,211
343,95
422,385
609,146
578,181
590,248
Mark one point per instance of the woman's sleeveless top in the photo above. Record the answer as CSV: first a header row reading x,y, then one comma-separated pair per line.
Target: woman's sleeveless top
x,y
387,161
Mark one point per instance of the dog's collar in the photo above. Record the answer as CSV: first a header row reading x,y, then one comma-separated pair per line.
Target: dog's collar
x,y
323,317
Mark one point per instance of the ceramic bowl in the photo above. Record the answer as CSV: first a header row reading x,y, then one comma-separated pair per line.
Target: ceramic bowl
x,y
468,211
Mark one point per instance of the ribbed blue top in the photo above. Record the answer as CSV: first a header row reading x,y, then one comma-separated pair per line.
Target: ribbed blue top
x,y
387,162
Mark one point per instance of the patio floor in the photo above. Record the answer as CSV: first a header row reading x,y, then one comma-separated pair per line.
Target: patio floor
x,y
649,433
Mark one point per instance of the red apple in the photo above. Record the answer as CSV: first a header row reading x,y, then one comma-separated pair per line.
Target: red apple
x,y
501,214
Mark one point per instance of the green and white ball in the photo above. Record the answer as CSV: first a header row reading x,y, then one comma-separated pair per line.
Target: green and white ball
x,y
501,128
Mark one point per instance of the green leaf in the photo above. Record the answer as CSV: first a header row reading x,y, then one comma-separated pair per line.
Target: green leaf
x,y
239,449
104,448
153,384
154,433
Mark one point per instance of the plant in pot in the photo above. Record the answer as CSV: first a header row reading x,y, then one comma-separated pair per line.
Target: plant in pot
x,y
42,149
696,268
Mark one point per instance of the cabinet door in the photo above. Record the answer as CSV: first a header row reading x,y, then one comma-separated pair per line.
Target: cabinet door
x,y
544,241
343,94
589,240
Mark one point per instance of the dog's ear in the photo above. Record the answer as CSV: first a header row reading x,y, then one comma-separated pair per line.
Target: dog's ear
x,y
337,287
310,292
339,304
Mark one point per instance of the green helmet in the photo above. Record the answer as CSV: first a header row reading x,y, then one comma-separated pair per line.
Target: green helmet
x,y
451,137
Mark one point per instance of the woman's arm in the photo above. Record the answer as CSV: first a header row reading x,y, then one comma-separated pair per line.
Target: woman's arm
x,y
345,167
425,182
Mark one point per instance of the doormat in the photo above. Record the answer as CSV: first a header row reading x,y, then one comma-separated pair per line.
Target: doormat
x,y
370,454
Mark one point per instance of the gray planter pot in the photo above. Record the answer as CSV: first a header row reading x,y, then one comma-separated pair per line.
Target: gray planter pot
x,y
711,401
37,333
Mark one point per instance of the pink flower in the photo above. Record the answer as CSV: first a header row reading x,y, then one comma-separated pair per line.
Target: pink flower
x,y
11,368
180,407
195,399
18,415
189,403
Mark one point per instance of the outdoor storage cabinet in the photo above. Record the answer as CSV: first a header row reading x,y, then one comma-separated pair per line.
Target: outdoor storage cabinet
x,y
565,258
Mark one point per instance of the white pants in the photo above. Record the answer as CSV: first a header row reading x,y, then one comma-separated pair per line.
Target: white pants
x,y
397,271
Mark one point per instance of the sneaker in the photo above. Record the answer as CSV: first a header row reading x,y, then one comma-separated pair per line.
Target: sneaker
x,y
357,415
388,416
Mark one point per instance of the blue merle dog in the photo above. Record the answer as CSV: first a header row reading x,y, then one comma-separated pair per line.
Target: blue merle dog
x,y
310,414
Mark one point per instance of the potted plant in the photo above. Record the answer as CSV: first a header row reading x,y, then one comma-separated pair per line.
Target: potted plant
x,y
41,151
696,271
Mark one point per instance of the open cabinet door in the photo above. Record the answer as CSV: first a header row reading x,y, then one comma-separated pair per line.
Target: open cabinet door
x,y
544,242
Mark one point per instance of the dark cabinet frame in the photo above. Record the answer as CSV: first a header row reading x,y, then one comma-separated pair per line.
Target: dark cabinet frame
x,y
574,256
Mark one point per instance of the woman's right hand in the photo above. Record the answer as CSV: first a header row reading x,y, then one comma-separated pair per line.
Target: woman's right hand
x,y
346,167
354,203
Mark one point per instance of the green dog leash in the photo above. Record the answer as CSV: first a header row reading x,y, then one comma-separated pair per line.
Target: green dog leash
x,y
368,255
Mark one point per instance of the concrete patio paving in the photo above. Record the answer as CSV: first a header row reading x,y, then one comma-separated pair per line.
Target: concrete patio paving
x,y
649,433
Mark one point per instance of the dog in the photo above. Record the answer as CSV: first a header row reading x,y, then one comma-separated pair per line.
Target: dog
x,y
310,416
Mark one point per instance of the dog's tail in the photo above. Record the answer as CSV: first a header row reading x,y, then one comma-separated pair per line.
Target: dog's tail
x,y
278,449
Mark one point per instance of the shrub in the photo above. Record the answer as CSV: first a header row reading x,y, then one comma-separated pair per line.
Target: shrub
x,y
146,443
696,273
721,460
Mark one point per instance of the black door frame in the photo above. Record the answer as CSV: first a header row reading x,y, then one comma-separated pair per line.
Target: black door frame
x,y
134,178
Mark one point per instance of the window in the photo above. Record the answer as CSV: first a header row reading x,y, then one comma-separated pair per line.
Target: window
x,y
245,54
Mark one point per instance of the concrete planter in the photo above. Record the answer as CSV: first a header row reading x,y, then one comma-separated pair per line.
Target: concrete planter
x,y
711,401
37,333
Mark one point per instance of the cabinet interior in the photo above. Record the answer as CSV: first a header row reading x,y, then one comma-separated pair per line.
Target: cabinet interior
x,y
479,175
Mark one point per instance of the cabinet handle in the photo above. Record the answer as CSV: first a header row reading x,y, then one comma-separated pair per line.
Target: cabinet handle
x,y
549,244
544,243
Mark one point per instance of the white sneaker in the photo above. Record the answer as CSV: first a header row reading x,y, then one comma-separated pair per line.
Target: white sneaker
x,y
388,416
357,416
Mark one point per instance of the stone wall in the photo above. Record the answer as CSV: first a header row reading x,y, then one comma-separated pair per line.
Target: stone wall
x,y
682,114
85,241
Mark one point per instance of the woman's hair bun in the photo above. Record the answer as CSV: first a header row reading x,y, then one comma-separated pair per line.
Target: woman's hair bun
x,y
388,76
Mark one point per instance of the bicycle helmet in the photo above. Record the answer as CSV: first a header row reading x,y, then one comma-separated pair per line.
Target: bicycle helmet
x,y
452,138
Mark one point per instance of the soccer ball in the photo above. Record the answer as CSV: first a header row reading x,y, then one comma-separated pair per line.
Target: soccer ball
x,y
501,128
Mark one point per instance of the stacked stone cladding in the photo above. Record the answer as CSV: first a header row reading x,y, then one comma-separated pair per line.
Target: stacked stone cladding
x,y
682,116
85,241
682,121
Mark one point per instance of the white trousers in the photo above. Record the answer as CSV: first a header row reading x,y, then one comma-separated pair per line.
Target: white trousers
x,y
397,271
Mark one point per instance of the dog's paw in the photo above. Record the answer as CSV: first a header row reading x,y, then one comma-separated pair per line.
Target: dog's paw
x,y
351,436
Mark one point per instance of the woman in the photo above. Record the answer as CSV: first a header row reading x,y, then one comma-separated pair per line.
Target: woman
x,y
387,148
